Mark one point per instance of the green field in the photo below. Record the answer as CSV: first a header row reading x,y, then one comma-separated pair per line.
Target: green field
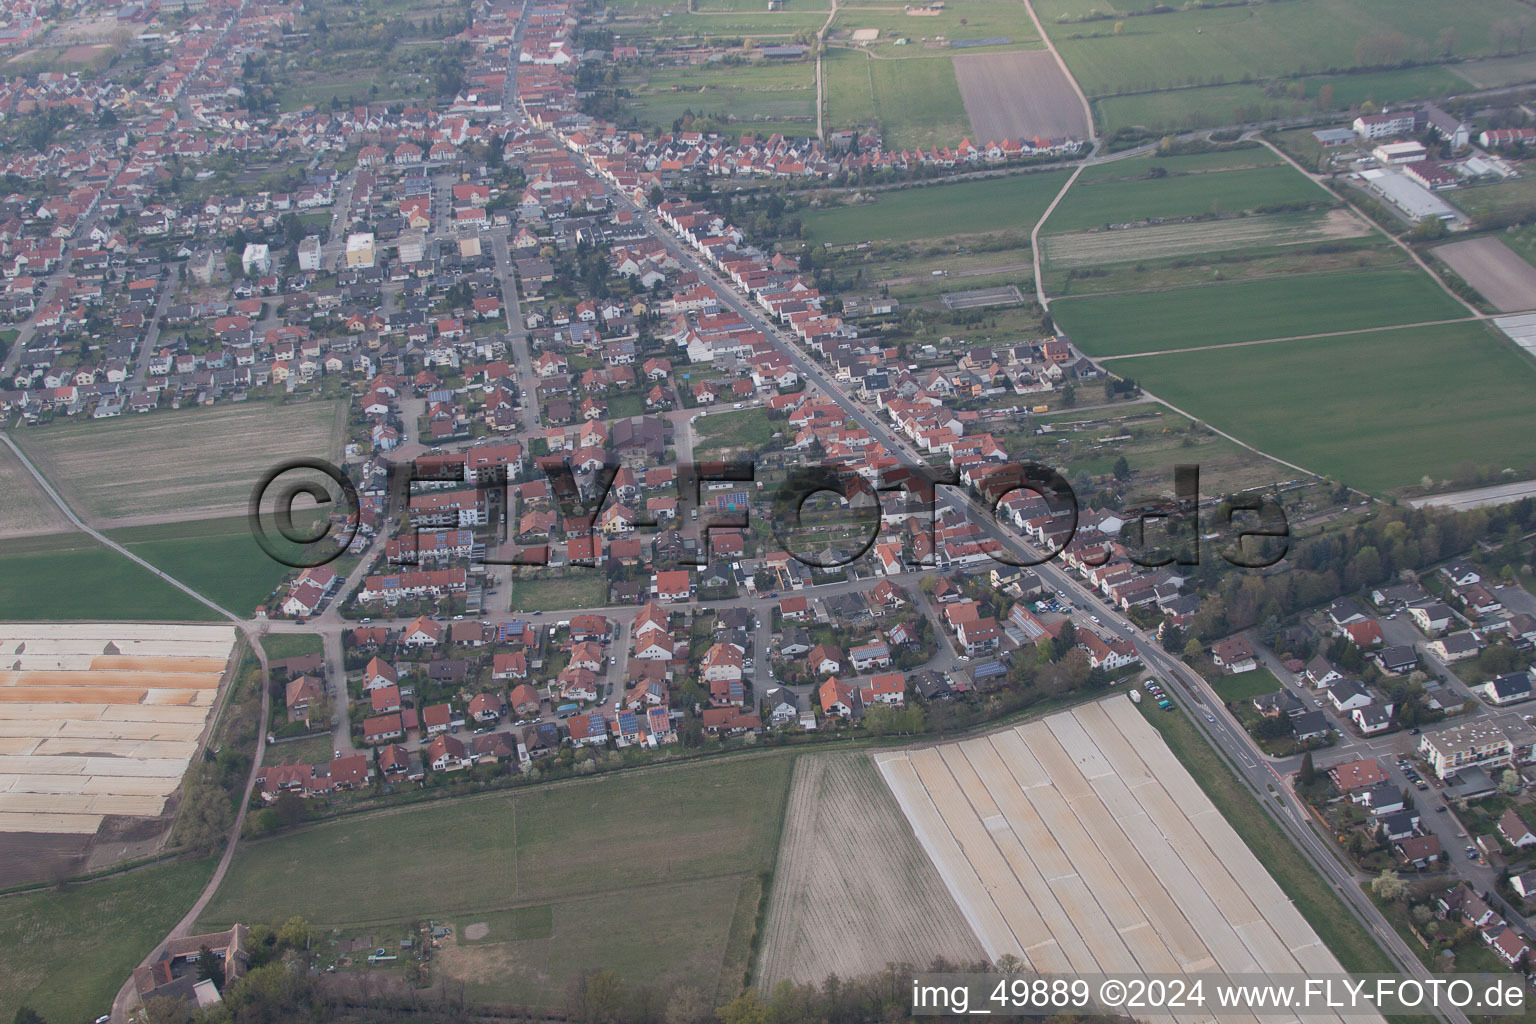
x,y
916,101
1013,203
1276,307
675,847
67,952
291,645
1097,203
1376,411
754,92
1214,46
71,577
1209,106
216,557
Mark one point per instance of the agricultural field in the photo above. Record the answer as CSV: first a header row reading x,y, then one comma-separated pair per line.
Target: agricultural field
x,y
1415,402
1168,241
1012,203
1494,72
1212,46
216,557
761,92
1228,312
68,950
70,577
894,910
1506,280
1018,95
686,841
916,101
1091,204
89,734
185,464
1237,103
1079,844
25,511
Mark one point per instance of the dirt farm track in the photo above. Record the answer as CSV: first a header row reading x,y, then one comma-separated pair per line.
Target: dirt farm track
x,y
1019,94
852,890
1080,844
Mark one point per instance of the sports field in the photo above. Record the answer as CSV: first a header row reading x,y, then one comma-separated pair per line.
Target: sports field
x,y
699,834
70,577
1377,411
68,950
184,464
1276,307
1080,844
1012,203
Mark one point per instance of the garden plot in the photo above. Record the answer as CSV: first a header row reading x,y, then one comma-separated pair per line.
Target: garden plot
x,y
100,719
1081,845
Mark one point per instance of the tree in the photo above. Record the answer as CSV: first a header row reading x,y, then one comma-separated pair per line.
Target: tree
x,y
1194,649
744,1009
209,968
1308,773
1122,469
598,998
687,1006
27,1015
1509,782
1387,886
294,933
1069,396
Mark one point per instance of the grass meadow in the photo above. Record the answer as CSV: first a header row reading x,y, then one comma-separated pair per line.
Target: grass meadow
x,y
675,847
67,951
763,91
916,101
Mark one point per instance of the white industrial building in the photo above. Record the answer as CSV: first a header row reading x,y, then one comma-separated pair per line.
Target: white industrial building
x,y
1416,201
360,249
1394,154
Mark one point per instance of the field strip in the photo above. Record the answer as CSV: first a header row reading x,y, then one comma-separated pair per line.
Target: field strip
x,y
1293,337
940,845
1089,819
1163,241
